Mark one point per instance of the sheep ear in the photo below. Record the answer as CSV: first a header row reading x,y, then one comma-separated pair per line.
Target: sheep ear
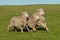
x,y
26,15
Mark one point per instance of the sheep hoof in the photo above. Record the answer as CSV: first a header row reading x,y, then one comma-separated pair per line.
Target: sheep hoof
x,y
31,30
47,30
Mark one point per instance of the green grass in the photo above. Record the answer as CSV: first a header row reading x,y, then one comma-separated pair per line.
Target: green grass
x,y
52,15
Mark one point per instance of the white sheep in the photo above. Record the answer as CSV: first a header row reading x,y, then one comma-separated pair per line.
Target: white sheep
x,y
39,16
18,22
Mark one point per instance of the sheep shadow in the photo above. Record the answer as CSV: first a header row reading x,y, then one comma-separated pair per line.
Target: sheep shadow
x,y
25,30
41,28
18,30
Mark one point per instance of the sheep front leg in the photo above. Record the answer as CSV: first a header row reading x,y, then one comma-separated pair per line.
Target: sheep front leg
x,y
21,28
27,28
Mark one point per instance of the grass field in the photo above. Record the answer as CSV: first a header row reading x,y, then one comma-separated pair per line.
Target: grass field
x,y
52,15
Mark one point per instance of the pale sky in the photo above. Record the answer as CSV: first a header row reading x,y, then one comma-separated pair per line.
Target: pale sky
x,y
27,2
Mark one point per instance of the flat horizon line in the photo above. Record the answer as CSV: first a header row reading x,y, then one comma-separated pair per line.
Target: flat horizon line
x,y
27,4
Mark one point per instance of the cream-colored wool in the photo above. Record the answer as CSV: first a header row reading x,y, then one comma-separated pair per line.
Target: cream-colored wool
x,y
18,22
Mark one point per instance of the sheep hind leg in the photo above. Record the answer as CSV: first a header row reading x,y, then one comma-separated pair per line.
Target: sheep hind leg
x,y
15,28
45,26
9,26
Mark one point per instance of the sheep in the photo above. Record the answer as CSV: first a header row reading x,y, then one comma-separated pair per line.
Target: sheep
x,y
31,24
18,22
39,16
42,22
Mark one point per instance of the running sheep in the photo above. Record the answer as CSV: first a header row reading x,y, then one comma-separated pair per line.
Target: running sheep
x,y
18,22
39,15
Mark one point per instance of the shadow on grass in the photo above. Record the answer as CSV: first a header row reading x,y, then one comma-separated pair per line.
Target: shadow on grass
x,y
18,30
41,29
25,30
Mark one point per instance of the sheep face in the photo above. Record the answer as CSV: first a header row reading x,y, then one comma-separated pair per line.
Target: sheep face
x,y
25,13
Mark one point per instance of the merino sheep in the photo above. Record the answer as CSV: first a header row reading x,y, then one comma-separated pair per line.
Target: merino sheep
x,y
18,22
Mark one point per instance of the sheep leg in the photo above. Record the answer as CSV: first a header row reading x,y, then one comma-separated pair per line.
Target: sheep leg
x,y
21,28
15,28
9,26
27,28
45,26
